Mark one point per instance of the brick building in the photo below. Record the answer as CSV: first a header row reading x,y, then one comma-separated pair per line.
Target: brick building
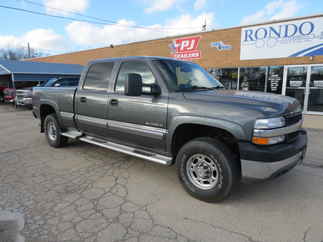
x,y
284,57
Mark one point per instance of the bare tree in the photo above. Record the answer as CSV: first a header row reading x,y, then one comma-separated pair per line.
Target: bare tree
x,y
20,53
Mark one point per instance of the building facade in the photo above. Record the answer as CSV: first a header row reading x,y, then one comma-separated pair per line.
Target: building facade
x,y
283,57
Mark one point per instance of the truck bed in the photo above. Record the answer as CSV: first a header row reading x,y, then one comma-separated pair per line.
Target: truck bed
x,y
61,98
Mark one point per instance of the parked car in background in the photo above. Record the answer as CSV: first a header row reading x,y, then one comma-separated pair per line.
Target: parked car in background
x,y
2,94
61,82
9,95
24,96
4,84
23,93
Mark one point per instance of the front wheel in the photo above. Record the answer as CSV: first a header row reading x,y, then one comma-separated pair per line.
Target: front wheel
x,y
53,132
207,169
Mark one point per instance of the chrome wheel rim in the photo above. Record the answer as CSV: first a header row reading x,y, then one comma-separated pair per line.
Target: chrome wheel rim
x,y
51,131
202,171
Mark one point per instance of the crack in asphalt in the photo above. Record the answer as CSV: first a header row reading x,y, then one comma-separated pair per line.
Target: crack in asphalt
x,y
14,150
87,204
306,233
217,227
313,165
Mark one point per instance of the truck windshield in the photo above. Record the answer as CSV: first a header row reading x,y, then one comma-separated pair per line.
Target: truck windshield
x,y
186,76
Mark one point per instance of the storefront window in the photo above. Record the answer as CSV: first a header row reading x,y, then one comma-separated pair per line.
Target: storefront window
x,y
275,79
253,79
227,76
315,99
296,83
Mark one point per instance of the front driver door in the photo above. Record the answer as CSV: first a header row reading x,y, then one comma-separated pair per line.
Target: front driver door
x,y
138,121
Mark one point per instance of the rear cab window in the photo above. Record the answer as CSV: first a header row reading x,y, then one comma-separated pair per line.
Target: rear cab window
x,y
98,76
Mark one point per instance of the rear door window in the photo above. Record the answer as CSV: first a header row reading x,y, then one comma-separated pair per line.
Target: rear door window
x,y
98,76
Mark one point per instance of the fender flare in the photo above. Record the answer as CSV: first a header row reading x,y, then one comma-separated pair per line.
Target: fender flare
x,y
231,127
54,106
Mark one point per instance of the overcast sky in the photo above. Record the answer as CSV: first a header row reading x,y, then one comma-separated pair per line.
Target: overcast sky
x,y
159,18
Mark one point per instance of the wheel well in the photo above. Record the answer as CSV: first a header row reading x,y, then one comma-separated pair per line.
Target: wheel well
x,y
187,132
45,110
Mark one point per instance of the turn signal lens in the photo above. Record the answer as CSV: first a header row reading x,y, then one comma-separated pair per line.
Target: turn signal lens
x,y
268,141
260,141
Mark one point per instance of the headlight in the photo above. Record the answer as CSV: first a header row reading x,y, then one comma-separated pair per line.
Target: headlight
x,y
268,140
270,123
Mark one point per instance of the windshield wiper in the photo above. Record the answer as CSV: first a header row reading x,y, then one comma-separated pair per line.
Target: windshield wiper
x,y
193,88
205,88
218,87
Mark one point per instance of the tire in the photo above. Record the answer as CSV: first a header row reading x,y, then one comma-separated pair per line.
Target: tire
x,y
53,132
207,169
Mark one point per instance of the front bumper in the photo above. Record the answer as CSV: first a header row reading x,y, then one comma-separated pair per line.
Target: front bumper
x,y
26,101
261,163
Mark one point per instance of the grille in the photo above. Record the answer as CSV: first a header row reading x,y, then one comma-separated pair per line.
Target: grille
x,y
291,137
293,118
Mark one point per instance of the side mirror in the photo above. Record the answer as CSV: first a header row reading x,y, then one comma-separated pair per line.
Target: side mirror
x,y
57,85
152,89
133,85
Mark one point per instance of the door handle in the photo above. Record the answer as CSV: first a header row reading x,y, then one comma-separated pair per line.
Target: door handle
x,y
83,99
114,102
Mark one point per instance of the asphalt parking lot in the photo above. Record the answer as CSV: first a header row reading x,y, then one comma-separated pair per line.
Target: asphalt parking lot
x,y
86,193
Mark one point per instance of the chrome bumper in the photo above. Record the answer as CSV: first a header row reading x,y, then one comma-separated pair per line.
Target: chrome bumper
x,y
255,170
24,101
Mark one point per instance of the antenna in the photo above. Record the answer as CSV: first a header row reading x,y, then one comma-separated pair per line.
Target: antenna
x,y
28,46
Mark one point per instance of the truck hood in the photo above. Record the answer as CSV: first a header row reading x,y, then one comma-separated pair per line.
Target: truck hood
x,y
267,103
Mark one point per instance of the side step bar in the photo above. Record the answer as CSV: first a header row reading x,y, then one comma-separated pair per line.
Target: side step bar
x,y
73,134
164,160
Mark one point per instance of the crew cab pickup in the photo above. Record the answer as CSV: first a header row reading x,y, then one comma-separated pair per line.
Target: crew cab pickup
x,y
173,112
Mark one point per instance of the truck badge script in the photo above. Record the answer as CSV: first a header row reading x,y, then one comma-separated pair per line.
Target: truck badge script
x,y
186,48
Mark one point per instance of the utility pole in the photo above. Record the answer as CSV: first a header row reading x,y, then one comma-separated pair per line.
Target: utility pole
x,y
29,54
204,26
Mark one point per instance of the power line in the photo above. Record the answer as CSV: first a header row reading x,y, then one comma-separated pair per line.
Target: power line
x,y
110,22
50,15
70,18
68,11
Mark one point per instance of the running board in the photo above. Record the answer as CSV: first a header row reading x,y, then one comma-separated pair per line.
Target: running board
x,y
73,134
161,159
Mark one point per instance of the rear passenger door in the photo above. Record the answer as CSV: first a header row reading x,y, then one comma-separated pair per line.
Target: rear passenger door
x,y
92,99
138,121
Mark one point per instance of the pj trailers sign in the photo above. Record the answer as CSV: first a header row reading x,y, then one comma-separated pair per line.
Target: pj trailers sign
x,y
287,39
186,48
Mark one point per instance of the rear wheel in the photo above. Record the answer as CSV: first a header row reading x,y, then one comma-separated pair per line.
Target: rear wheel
x,y
207,169
53,132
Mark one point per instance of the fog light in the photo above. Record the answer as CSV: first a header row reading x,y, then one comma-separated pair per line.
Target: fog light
x,y
268,141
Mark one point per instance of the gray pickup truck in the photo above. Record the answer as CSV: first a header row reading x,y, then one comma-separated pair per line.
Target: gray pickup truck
x,y
173,112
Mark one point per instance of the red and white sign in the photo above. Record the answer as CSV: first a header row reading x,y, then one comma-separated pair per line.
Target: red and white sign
x,y
186,48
